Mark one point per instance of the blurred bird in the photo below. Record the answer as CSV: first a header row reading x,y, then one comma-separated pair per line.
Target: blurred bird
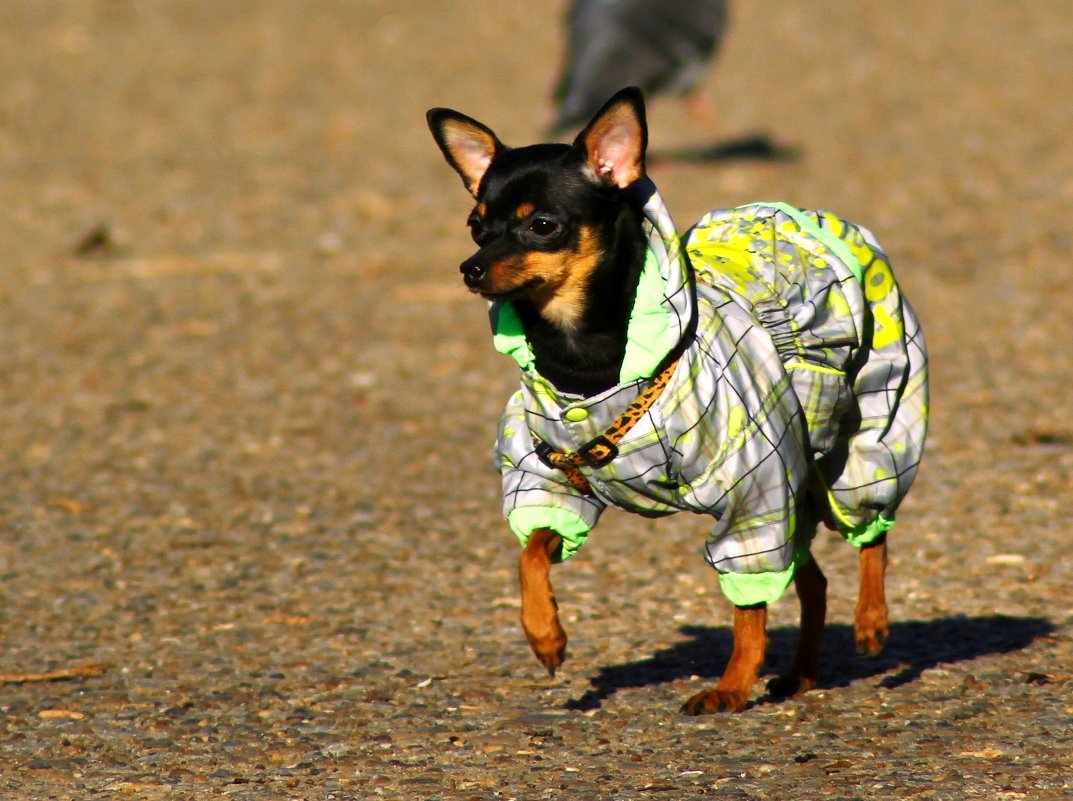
x,y
663,46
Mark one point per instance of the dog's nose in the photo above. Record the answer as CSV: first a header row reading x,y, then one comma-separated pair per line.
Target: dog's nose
x,y
473,271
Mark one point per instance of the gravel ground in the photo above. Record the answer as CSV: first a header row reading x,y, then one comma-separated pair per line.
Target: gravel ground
x,y
246,412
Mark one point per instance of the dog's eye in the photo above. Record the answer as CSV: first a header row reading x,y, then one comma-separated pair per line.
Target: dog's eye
x,y
542,226
475,227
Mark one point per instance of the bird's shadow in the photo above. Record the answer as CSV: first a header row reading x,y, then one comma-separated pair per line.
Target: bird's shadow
x,y
913,647
751,147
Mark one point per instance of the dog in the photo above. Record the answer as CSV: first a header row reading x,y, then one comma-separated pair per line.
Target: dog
x,y
764,369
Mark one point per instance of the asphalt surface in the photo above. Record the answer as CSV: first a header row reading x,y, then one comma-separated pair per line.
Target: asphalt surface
x,y
250,543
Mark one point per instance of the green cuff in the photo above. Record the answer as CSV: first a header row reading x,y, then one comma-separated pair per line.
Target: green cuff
x,y
859,536
749,589
526,519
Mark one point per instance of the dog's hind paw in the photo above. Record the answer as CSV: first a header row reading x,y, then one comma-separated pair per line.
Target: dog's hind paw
x,y
870,630
871,643
789,684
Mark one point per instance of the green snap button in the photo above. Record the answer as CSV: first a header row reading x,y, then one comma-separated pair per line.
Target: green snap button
x,y
576,415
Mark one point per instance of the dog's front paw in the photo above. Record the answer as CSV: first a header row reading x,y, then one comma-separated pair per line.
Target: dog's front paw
x,y
714,700
550,649
547,639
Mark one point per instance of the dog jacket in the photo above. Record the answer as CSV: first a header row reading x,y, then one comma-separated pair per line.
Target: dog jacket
x,y
799,395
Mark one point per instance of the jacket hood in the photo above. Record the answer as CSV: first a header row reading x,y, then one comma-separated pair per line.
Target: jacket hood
x,y
663,311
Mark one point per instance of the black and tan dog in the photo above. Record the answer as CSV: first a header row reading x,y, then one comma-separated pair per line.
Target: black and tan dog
x,y
769,374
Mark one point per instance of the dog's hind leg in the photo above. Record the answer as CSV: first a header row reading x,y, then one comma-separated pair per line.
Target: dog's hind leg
x,y
804,671
870,625
540,613
731,693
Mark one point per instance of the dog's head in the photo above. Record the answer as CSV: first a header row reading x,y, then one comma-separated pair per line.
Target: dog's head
x,y
545,214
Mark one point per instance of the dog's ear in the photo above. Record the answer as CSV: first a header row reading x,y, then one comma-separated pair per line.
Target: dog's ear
x,y
467,145
615,141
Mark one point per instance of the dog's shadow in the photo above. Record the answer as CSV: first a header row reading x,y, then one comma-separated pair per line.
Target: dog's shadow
x,y
750,147
912,648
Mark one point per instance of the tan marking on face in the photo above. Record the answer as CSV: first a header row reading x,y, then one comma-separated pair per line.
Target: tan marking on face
x,y
524,210
505,275
482,210
561,299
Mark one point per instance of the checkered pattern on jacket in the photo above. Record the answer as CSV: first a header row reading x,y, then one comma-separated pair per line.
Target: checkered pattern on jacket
x,y
800,384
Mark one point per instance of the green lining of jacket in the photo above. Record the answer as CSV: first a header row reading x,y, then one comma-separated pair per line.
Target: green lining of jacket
x,y
649,335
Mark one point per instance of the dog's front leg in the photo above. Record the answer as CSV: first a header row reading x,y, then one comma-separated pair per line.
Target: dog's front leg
x,y
540,613
870,624
731,693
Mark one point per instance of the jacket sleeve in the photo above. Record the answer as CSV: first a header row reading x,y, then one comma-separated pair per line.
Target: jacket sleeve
x,y
753,483
535,495
753,544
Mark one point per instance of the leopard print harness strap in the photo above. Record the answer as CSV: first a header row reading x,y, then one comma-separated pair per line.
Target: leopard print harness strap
x,y
601,450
